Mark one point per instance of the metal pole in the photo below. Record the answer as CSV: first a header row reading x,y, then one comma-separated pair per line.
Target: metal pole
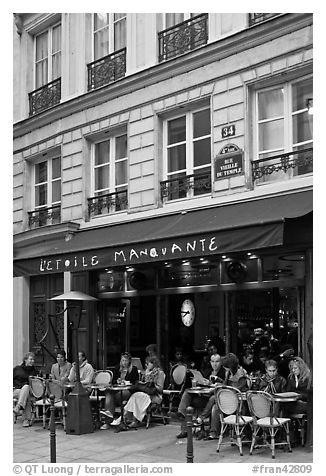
x,y
52,431
190,448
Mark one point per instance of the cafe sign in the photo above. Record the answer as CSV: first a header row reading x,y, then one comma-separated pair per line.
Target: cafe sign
x,y
229,162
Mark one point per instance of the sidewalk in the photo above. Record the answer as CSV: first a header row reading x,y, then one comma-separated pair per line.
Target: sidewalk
x,y
158,444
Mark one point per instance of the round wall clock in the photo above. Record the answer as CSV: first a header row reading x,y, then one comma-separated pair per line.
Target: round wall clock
x,y
187,312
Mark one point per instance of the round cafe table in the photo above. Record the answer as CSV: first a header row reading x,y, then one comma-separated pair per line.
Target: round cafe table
x,y
120,388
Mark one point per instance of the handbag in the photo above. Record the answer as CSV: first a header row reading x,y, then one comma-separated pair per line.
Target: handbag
x,y
148,388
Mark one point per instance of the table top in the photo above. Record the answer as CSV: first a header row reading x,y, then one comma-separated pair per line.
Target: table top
x,y
201,390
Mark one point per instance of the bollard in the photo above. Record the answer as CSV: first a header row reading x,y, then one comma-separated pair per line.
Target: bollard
x,y
190,447
53,457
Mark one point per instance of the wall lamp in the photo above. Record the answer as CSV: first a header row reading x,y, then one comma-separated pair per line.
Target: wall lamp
x,y
310,106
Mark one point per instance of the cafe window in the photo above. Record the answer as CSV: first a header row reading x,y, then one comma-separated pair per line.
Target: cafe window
x,y
283,125
187,155
109,33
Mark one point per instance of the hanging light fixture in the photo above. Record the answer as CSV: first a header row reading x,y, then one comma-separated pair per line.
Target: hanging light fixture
x,y
310,106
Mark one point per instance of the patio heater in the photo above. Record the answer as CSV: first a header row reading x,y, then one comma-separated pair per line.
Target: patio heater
x,y
79,416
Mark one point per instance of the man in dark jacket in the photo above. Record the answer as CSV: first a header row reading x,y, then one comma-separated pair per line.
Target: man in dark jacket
x,y
21,387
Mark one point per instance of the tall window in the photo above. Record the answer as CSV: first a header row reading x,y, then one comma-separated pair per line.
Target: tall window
x,y
48,56
109,33
188,154
47,188
284,125
172,19
110,165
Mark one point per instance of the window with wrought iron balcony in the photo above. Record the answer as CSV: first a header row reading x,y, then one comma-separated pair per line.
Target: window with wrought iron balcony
x,y
283,133
109,173
182,35
187,156
109,40
46,193
255,18
47,67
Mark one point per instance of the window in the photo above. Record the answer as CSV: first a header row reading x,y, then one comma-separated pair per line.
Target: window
x,y
47,192
48,56
283,130
187,155
109,33
172,19
109,176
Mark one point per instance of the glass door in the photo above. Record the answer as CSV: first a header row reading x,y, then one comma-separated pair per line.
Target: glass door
x,y
113,331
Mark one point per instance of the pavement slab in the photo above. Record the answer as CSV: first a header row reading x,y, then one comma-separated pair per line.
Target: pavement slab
x,y
158,444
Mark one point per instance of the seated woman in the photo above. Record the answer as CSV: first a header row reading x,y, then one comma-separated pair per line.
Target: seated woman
x,y
271,382
124,371
60,371
299,381
149,391
216,377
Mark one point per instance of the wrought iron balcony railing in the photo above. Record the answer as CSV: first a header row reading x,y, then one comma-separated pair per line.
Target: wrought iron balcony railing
x,y
190,185
301,161
45,97
108,203
185,36
255,18
106,70
44,216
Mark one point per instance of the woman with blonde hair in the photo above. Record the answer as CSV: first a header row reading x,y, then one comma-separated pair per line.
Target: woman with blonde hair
x,y
299,381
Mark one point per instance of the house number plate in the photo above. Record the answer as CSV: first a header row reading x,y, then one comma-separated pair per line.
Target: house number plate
x,y
228,131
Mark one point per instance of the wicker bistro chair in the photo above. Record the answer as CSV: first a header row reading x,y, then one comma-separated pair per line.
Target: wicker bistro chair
x,y
102,379
60,402
300,422
229,401
177,377
155,411
40,400
262,408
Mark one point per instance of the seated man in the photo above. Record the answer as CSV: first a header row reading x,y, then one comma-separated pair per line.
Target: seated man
x,y
271,381
201,402
205,367
85,369
21,387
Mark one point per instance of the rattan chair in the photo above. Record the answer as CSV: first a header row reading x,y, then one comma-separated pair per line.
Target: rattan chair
x,y
262,408
177,378
300,423
102,379
229,401
155,410
39,392
60,403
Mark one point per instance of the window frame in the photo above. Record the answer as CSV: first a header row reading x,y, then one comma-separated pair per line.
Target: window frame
x,y
288,114
49,182
186,16
50,54
189,141
113,187
111,27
